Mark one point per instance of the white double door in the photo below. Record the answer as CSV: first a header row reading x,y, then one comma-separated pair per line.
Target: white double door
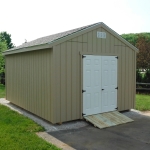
x,y
99,84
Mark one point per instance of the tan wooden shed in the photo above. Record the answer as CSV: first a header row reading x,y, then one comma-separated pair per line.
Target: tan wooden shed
x,y
64,76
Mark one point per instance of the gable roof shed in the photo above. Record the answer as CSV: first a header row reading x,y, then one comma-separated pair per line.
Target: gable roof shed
x,y
45,76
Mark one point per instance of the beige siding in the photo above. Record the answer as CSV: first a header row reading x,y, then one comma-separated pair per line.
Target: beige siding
x,y
29,81
49,82
68,72
67,93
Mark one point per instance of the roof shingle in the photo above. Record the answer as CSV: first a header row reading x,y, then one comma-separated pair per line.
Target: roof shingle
x,y
51,38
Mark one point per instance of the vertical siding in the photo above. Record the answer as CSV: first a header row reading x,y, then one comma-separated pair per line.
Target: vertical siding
x,y
49,82
126,101
134,80
69,81
29,81
57,103
74,79
99,42
117,50
68,72
94,42
103,42
84,40
130,76
67,78
63,84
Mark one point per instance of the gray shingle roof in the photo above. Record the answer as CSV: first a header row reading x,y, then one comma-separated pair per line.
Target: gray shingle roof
x,y
51,38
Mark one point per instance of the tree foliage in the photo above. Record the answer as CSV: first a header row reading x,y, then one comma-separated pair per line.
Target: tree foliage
x,y
5,37
139,77
142,42
147,76
143,57
3,46
5,43
133,37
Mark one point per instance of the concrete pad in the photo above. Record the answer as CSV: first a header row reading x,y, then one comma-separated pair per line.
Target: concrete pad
x,y
147,113
130,136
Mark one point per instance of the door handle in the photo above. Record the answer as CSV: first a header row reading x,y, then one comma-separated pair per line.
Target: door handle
x,y
102,89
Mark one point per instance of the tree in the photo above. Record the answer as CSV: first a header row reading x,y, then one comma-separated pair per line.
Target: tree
x,y
143,57
3,47
5,43
133,37
5,37
142,42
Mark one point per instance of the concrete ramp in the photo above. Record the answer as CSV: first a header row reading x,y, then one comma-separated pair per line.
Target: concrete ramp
x,y
107,119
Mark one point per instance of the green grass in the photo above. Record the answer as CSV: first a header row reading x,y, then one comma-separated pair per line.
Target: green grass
x,y
142,102
2,91
19,133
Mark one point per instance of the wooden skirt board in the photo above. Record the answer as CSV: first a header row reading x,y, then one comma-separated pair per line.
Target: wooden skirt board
x,y
108,119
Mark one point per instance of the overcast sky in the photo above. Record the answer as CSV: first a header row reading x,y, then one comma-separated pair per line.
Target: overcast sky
x,y
31,19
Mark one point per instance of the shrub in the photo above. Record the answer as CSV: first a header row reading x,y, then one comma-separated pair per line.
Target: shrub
x,y
139,77
147,76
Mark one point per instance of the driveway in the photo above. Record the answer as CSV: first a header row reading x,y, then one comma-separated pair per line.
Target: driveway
x,y
130,136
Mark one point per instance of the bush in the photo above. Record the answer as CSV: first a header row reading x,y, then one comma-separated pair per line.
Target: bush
x,y
139,77
146,78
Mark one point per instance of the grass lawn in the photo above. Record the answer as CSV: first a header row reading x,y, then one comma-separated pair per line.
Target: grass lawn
x,y
2,91
18,132
142,102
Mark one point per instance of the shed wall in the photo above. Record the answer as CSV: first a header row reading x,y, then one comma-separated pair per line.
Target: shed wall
x,y
28,81
68,72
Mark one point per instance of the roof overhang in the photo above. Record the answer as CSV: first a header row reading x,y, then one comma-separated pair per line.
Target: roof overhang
x,y
27,49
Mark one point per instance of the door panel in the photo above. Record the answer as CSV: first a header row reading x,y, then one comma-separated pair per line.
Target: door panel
x,y
92,85
109,83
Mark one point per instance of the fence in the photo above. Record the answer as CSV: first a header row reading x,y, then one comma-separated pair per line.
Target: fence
x,y
143,87
2,80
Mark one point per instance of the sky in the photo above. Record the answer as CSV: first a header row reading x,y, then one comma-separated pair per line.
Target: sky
x,y
32,19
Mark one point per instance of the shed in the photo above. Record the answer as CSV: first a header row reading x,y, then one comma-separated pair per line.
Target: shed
x,y
64,76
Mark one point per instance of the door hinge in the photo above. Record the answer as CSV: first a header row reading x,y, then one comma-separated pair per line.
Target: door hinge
x,y
116,108
116,88
116,57
83,56
83,114
83,91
